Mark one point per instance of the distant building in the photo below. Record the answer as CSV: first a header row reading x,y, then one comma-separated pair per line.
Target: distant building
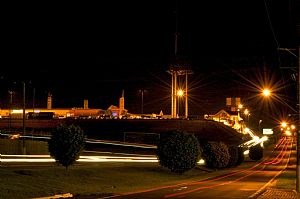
x,y
229,116
112,112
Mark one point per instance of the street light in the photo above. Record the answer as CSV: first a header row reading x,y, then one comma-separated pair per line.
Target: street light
x,y
266,92
259,126
298,101
24,117
240,106
10,107
142,100
179,94
246,112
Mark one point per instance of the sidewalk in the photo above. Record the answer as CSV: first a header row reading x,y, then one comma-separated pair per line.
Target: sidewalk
x,y
284,186
272,193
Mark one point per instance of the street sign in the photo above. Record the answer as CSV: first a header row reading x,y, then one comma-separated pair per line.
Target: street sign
x,y
267,131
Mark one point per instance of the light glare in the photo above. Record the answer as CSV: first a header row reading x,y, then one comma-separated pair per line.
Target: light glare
x,y
266,92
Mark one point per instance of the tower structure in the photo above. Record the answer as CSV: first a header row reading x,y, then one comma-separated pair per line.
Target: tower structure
x,y
121,104
177,70
49,101
85,104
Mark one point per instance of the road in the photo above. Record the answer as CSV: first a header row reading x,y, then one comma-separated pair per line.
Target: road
x,y
242,183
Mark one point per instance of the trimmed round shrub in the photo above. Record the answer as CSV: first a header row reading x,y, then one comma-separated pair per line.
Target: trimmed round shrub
x,y
178,151
216,155
66,143
256,152
233,153
241,156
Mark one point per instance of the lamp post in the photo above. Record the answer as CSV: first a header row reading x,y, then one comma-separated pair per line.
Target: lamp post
x,y
24,115
266,92
259,126
298,103
179,94
10,108
143,92
246,112
298,134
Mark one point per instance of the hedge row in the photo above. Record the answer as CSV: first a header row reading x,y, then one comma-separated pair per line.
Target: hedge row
x,y
180,151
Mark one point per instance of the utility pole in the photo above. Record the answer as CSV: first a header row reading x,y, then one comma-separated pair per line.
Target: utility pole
x,y
24,115
33,106
298,104
186,112
298,134
142,100
10,108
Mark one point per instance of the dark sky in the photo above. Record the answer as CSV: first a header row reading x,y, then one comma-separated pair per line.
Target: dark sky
x,y
93,51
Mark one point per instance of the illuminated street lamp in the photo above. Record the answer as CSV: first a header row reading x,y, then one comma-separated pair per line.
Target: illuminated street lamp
x,y
266,92
298,101
240,106
179,94
283,124
246,112
259,125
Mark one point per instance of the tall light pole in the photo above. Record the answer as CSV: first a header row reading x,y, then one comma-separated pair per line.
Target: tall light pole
x,y
24,115
186,112
142,100
259,126
298,134
246,112
298,103
10,107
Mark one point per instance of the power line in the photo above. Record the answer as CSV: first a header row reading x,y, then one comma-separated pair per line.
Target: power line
x,y
270,23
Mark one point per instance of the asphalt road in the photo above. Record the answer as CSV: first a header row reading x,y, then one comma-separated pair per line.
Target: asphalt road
x,y
243,183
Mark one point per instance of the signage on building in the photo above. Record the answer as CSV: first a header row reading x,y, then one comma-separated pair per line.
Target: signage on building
x,y
267,131
228,101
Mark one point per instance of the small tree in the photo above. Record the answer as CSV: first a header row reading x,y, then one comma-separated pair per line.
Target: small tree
x,y
66,143
178,151
256,152
216,155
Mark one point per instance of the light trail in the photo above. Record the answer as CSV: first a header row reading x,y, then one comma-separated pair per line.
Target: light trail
x,y
91,141
146,146
132,154
233,174
47,158
212,186
187,183
280,156
181,194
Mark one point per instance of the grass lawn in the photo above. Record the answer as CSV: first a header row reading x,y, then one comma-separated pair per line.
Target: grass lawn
x,y
33,180
83,179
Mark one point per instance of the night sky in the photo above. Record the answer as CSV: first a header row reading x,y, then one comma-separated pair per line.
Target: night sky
x,y
94,51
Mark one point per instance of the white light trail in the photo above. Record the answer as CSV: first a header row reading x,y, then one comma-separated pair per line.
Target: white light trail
x,y
47,158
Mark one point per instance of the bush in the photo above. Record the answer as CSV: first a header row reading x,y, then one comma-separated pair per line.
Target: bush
x,y
233,153
241,156
178,151
216,155
66,143
256,152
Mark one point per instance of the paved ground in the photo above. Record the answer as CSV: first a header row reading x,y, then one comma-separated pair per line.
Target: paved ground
x,y
279,193
284,186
